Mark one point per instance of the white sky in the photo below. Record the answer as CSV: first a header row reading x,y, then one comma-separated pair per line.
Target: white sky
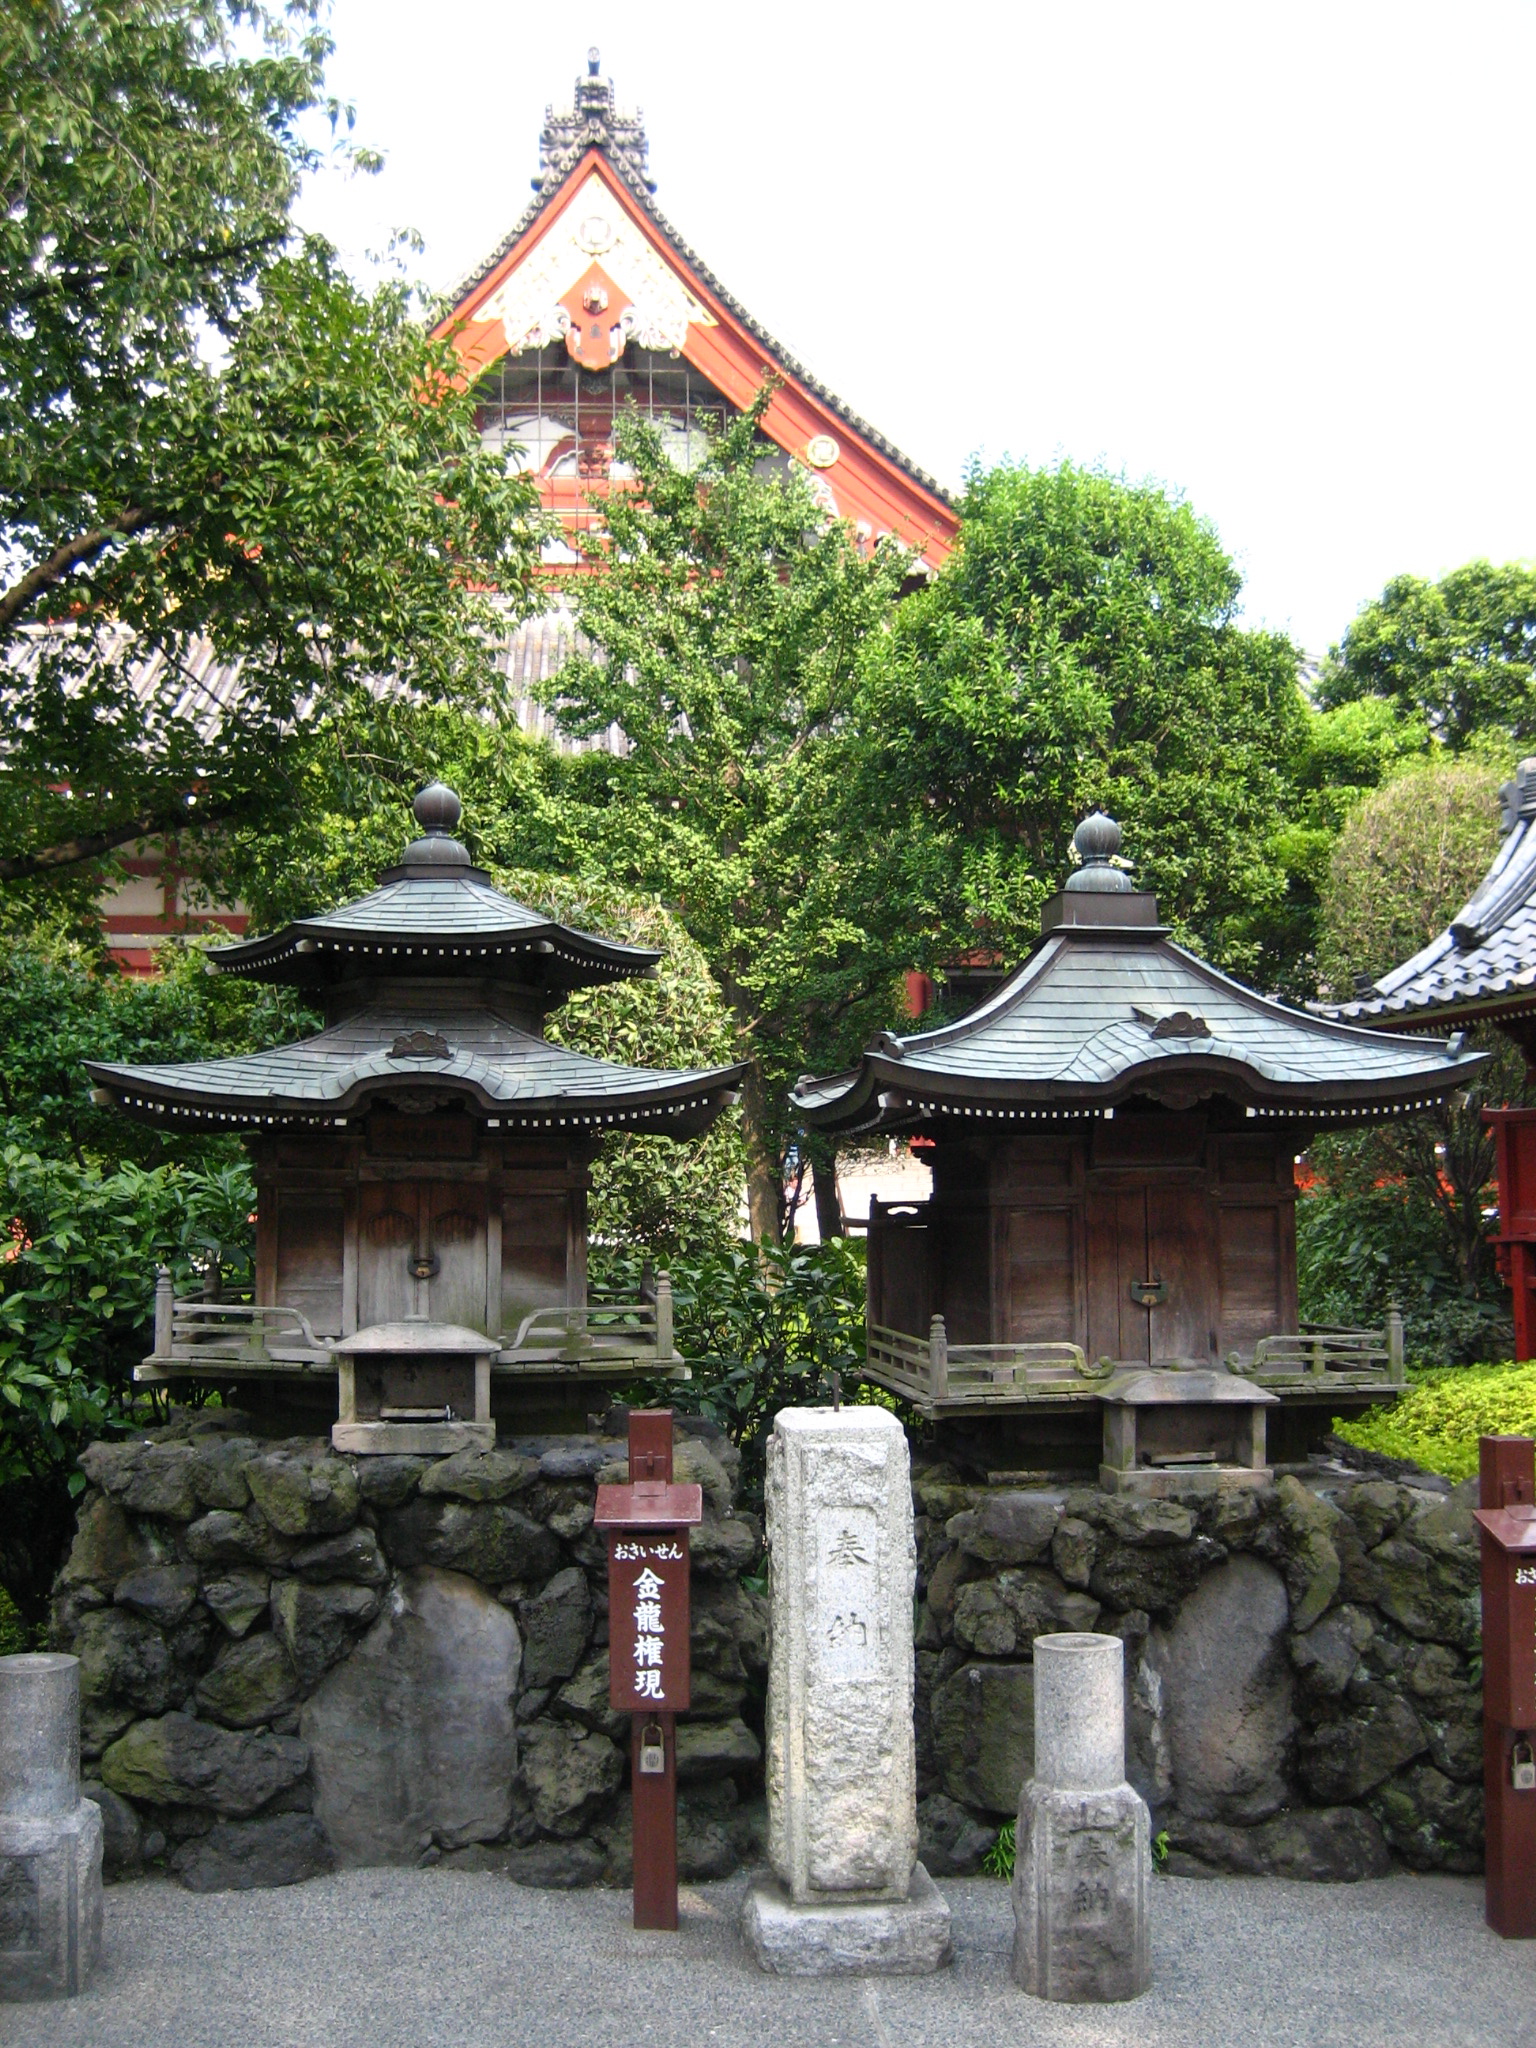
x,y
1277,257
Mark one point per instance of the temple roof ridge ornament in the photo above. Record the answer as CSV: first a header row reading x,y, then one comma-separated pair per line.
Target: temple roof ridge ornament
x,y
592,121
1096,843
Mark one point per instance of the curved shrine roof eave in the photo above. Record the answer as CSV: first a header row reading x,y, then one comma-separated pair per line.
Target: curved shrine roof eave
x,y
635,190
1100,1015
421,921
507,1077
1483,965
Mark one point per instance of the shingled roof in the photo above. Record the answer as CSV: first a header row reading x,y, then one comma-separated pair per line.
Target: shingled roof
x,y
1108,1008
433,972
434,915
597,123
1483,965
407,1049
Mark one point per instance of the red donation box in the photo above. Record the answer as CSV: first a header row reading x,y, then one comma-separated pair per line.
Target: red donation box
x,y
1507,1519
647,1524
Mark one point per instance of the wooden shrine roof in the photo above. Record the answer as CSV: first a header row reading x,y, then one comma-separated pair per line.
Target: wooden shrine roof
x,y
1483,965
405,1048
435,915
1108,1008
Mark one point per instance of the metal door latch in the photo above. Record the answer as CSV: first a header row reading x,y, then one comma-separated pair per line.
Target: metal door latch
x,y
1149,1293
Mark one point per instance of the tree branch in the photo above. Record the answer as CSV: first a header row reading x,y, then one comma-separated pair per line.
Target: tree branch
x,y
54,568
66,853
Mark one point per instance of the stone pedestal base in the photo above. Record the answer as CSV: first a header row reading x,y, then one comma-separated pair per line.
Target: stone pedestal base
x,y
412,1439
1081,1875
862,1938
1161,1481
50,1903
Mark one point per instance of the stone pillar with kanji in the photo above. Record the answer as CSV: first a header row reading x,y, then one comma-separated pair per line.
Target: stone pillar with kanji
x,y
847,1894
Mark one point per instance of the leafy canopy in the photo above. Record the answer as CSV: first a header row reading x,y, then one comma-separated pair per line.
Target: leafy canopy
x,y
726,629
210,440
1081,650
1459,654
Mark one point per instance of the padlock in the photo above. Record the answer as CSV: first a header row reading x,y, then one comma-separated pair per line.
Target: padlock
x,y
1522,1768
653,1752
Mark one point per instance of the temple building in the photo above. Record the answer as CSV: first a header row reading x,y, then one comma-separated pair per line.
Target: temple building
x,y
422,1166
1113,1216
1480,972
593,301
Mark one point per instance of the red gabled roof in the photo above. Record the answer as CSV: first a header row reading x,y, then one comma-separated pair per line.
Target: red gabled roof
x,y
870,482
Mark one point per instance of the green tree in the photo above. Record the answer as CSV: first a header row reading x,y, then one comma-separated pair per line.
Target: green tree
x,y
1082,649
207,435
727,629
1406,859
1459,654
1399,1210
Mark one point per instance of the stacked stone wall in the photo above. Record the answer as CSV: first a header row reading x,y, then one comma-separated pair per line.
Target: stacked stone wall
x,y
1302,1664
292,1660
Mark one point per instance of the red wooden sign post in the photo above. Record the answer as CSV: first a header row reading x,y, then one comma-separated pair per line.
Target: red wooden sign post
x,y
1507,1516
648,1665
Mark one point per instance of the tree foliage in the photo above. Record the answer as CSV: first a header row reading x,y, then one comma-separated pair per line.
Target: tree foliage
x,y
1406,859
727,630
1459,654
208,436
762,1329
1081,649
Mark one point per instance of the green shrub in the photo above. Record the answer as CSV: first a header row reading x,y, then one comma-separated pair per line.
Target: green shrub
x,y
1438,1421
77,1287
761,1328
1000,1858
16,1638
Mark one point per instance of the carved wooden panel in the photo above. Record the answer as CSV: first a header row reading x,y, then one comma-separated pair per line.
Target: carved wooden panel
x,y
1040,1268
309,1257
534,1242
1252,1296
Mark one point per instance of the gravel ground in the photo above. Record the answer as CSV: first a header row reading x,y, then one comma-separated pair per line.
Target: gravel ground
x,y
449,1959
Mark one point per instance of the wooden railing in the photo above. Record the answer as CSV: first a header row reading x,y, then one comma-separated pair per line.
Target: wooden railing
x,y
935,1375
193,1335
1320,1355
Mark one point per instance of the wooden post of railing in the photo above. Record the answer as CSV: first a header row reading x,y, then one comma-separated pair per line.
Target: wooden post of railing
x,y
1319,1361
1394,1343
663,1317
165,1308
938,1360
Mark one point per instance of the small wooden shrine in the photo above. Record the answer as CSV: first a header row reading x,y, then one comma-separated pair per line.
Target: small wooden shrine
x,y
1481,970
422,1166
1109,1252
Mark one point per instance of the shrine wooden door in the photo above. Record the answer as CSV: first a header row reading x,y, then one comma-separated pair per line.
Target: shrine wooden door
x,y
1152,1274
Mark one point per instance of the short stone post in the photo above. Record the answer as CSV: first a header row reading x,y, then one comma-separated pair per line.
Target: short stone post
x,y
848,1895
50,1838
1083,1850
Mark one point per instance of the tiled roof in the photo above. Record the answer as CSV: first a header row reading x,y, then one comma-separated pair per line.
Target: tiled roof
x,y
434,915
1484,962
596,131
1102,1012
386,1050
